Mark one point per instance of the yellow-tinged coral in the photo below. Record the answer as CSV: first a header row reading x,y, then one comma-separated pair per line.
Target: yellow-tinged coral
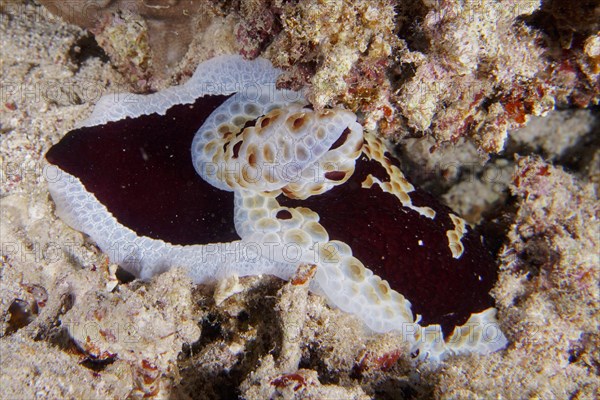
x,y
125,38
591,48
333,37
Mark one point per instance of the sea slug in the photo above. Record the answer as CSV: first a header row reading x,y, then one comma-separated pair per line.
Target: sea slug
x,y
227,175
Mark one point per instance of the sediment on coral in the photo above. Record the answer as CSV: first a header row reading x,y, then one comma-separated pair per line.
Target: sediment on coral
x,y
450,70
547,294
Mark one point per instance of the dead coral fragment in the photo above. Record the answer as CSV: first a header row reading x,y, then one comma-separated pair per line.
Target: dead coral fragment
x,y
330,39
258,26
140,327
591,48
476,51
125,38
143,38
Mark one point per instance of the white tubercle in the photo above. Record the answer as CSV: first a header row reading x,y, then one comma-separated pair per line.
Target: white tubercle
x,y
283,144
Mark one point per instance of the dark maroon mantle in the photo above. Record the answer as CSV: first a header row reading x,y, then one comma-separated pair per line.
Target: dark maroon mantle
x,y
141,170
385,236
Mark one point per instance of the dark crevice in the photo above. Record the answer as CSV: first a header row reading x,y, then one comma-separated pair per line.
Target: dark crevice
x,y
85,48
124,276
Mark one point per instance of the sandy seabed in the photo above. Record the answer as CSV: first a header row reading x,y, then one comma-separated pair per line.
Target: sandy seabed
x,y
75,327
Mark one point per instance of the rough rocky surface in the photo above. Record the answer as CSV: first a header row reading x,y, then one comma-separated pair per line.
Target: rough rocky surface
x,y
445,69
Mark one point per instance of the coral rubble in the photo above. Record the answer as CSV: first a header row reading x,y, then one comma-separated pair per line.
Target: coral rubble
x,y
142,38
548,295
